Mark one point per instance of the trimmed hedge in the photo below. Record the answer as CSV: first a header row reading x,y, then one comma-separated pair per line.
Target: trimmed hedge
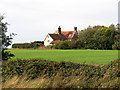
x,y
24,45
91,76
34,45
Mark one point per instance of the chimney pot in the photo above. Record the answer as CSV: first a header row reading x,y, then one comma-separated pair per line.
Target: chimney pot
x,y
59,30
75,28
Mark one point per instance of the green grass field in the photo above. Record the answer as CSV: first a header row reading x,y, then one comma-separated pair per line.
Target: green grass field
x,y
80,56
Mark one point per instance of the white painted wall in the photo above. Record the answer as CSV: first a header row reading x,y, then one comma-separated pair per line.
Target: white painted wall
x,y
48,40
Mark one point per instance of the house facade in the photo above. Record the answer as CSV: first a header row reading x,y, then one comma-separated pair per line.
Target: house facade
x,y
54,38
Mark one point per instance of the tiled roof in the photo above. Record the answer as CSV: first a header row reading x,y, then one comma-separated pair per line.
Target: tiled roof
x,y
56,41
63,36
57,36
68,34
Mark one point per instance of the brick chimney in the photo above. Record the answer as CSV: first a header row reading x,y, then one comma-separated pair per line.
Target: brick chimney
x,y
75,29
59,30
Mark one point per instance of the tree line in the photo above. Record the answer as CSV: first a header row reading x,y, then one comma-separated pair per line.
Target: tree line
x,y
96,37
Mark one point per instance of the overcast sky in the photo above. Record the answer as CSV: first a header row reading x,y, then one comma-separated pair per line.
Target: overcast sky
x,y
32,20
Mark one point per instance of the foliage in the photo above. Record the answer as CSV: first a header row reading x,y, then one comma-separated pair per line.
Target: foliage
x,y
6,55
83,75
25,45
39,42
96,37
33,45
62,45
116,46
5,40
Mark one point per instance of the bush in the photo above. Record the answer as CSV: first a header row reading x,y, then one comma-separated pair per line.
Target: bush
x,y
24,45
79,44
6,55
33,45
89,76
63,45
116,46
39,42
69,45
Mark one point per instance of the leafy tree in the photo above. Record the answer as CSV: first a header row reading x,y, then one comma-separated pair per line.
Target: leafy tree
x,y
110,33
5,40
98,37
88,38
116,45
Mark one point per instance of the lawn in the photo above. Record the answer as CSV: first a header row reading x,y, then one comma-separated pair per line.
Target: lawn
x,y
80,56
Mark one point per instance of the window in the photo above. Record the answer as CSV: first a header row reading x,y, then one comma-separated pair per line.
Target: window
x,y
48,40
70,35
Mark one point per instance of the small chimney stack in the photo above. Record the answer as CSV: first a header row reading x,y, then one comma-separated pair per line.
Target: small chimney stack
x,y
59,30
75,29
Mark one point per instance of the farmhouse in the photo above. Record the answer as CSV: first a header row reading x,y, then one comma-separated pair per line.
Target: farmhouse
x,y
59,35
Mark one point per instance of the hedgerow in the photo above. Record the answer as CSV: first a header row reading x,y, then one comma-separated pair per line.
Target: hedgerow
x,y
91,76
33,45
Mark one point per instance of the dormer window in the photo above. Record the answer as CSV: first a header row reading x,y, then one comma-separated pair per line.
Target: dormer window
x,y
70,35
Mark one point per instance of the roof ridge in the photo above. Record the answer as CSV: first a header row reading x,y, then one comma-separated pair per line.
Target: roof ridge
x,y
67,31
50,33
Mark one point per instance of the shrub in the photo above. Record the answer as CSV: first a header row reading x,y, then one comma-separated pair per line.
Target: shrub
x,y
6,55
116,46
42,42
63,45
33,45
24,45
89,76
